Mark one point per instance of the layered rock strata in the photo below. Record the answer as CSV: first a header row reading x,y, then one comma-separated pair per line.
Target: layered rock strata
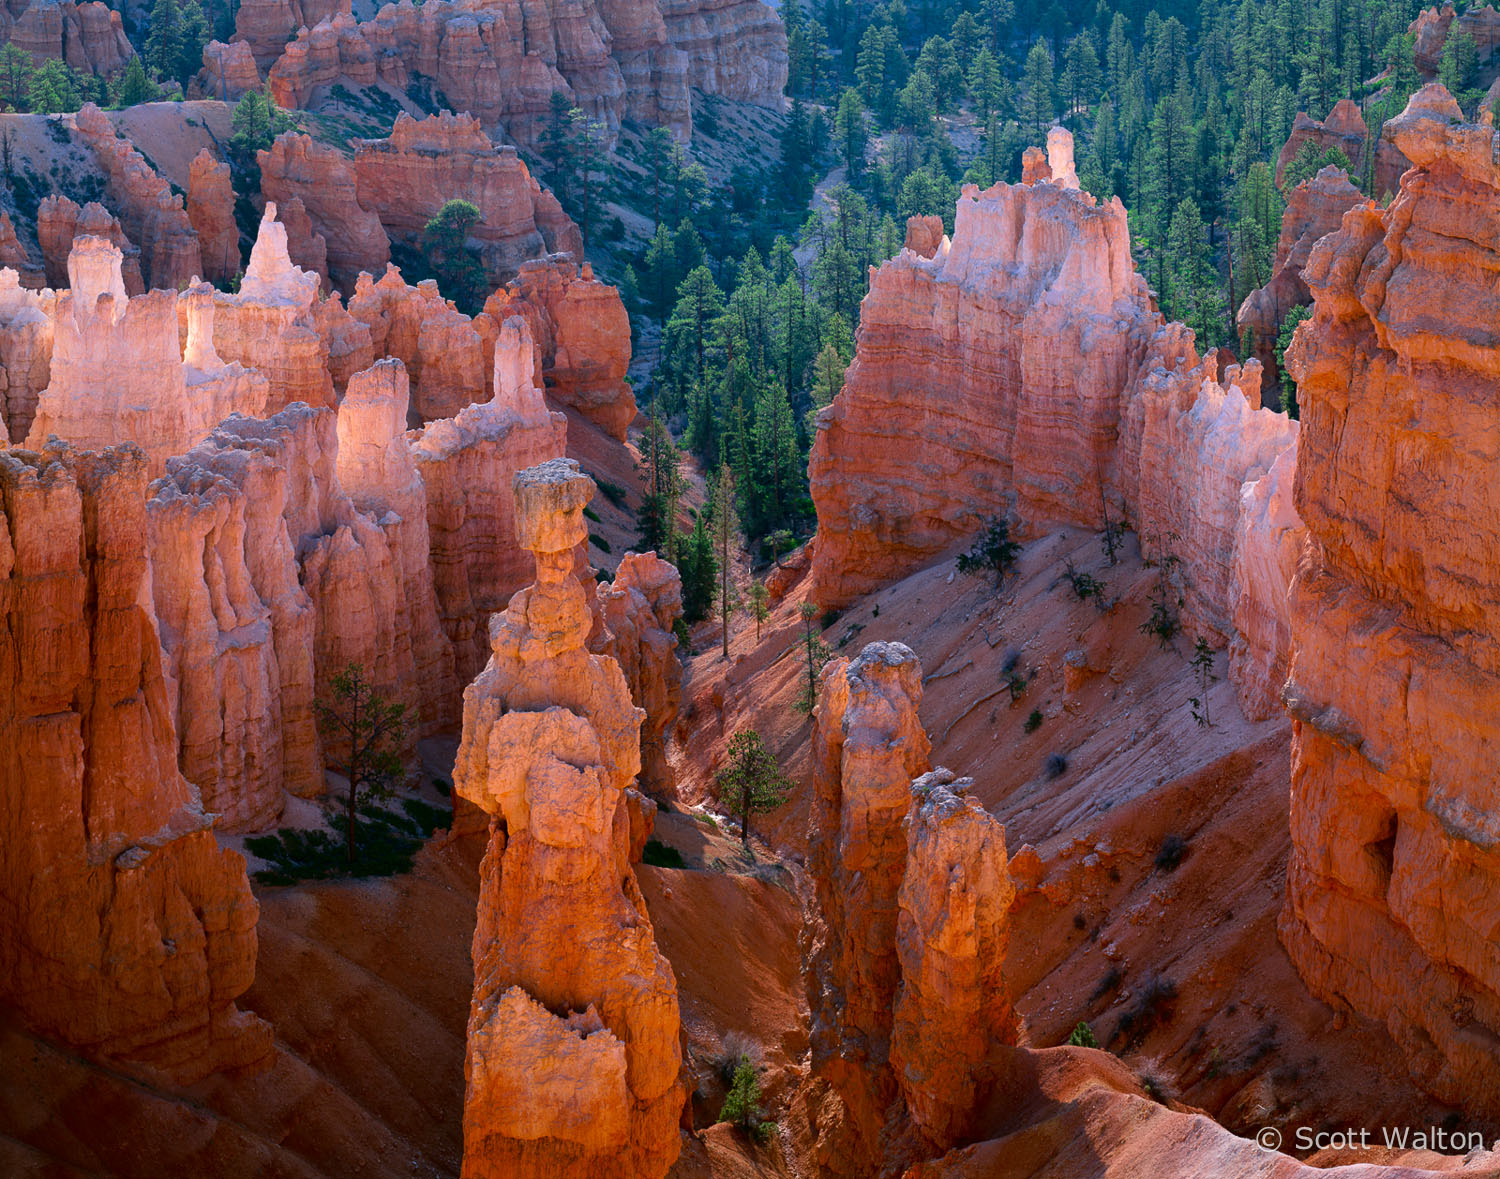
x,y
1432,27
125,932
1344,130
408,177
466,463
582,336
90,37
1314,209
210,209
322,179
909,927
14,256
1395,613
60,222
1024,371
573,1043
118,372
25,353
152,216
265,26
272,324
380,476
637,614
268,582
617,59
229,71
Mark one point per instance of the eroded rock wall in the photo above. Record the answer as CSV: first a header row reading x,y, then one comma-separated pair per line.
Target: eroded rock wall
x,y
908,931
1023,371
1395,613
125,931
573,1044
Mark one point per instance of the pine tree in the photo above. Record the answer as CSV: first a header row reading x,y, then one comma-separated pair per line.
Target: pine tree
x,y
459,272
751,783
1038,85
364,733
725,530
133,87
15,77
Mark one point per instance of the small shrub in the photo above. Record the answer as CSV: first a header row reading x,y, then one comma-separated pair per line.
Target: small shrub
x,y
994,553
742,1103
590,514
599,542
1034,721
611,491
1108,984
1083,1036
662,855
1163,624
1172,852
442,786
1152,1005
1057,766
1085,585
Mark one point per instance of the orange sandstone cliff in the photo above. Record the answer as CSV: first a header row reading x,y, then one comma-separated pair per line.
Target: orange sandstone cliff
x,y
125,931
573,1045
1395,613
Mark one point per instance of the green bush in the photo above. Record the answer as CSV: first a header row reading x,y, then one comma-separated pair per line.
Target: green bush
x,y
662,855
387,841
1082,1036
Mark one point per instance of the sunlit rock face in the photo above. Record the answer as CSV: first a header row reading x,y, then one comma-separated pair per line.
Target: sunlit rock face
x,y
573,1044
125,932
1022,370
582,335
118,372
1395,612
908,932
638,611
467,463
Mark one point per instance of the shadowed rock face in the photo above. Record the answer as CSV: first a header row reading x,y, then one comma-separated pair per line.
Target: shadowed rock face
x,y
1313,210
615,59
124,930
573,1054
1395,613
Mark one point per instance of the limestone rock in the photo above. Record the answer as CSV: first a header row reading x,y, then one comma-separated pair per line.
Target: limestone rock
x,y
1432,103
14,256
952,1009
1314,209
125,932
408,177
443,349
295,166
118,374
638,611
229,71
152,216
924,235
271,323
582,334
90,37
573,1046
378,472
1431,28
269,582
735,48
25,353
466,463
265,26
1395,612
907,930
59,221
972,367
210,208
1344,130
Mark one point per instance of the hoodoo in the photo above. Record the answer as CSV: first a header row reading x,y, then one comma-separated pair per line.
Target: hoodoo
x,y
573,1053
